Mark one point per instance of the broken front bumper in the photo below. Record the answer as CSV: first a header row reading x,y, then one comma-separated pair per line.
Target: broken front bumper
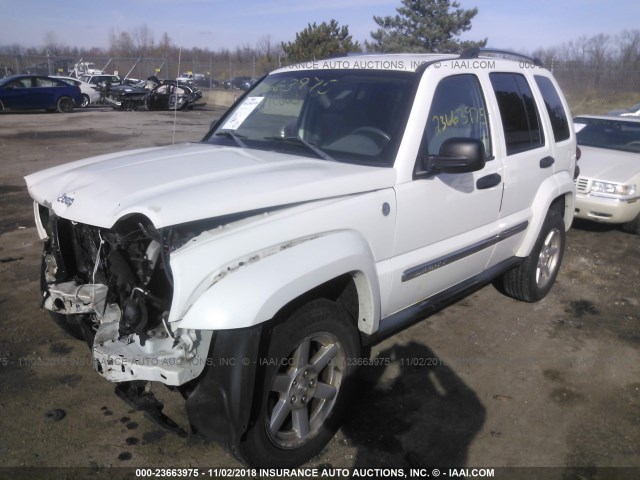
x,y
164,357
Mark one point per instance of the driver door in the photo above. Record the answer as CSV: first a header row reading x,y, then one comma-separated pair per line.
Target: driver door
x,y
443,217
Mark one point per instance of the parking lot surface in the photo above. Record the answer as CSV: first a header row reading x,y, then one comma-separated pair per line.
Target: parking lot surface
x,y
488,382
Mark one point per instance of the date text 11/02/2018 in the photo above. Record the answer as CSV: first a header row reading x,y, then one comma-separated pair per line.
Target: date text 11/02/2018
x,y
312,472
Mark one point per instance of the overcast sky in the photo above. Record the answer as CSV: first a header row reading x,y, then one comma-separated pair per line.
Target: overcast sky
x,y
517,24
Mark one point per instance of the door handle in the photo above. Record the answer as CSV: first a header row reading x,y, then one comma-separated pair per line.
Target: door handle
x,y
488,181
546,162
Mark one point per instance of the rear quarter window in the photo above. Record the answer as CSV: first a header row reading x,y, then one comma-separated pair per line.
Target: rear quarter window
x,y
555,109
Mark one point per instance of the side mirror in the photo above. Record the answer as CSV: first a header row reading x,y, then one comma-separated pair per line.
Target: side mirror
x,y
456,155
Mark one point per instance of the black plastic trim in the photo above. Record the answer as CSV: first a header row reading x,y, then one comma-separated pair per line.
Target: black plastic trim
x,y
546,162
488,181
475,52
219,407
415,313
445,260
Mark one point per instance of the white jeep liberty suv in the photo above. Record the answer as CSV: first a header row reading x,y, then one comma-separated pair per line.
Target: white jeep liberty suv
x,y
337,202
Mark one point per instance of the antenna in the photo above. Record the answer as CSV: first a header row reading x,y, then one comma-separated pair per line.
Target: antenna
x,y
175,103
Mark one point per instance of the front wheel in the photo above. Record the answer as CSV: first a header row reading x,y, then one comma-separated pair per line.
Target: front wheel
x,y
85,101
533,278
307,383
65,105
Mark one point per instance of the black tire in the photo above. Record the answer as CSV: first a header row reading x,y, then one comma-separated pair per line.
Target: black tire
x,y
65,105
633,226
306,386
85,101
1,106
533,278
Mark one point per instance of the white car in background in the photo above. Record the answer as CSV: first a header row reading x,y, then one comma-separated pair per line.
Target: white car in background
x,y
90,93
632,111
608,187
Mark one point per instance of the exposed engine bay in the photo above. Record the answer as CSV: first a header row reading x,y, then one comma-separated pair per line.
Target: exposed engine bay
x,y
114,286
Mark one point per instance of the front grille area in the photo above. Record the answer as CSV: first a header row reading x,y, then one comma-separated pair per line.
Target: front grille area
x,y
582,185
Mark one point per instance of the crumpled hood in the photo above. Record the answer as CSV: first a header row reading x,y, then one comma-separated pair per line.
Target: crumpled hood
x,y
608,165
183,183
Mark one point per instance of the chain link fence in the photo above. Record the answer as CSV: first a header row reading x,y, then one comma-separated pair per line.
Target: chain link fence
x,y
591,87
213,70
609,77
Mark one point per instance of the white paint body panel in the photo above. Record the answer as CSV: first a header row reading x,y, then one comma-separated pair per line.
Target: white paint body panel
x,y
183,183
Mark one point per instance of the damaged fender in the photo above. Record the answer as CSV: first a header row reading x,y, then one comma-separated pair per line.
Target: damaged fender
x,y
255,291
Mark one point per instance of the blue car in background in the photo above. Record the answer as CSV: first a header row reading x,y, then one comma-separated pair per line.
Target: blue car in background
x,y
35,92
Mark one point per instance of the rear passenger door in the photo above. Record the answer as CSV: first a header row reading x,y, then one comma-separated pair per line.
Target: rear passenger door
x,y
561,140
528,155
44,92
529,158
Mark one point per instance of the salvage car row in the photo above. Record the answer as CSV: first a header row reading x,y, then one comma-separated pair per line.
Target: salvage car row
x,y
63,94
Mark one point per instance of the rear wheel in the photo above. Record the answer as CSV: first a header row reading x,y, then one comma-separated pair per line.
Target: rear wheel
x,y
65,105
306,386
532,279
85,100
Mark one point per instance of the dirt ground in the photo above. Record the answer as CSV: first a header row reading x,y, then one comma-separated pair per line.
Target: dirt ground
x,y
488,382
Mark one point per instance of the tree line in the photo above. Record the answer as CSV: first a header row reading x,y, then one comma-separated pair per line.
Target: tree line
x,y
418,26
421,25
597,62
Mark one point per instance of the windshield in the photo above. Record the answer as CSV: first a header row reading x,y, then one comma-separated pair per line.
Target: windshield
x,y
344,115
604,133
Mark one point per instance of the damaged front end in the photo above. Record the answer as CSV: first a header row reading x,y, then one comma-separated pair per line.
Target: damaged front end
x,y
115,287
125,97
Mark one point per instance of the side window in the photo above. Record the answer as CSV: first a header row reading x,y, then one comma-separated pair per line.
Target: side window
x,y
20,83
458,109
557,115
520,117
45,82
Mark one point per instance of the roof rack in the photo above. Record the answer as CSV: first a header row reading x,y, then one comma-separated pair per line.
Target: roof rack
x,y
475,52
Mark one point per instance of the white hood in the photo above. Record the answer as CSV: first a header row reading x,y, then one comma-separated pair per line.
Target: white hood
x,y
182,183
608,165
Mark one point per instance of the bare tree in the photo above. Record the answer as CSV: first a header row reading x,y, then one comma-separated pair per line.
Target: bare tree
x,y
143,40
52,45
629,46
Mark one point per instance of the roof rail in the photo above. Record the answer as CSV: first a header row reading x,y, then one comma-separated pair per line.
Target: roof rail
x,y
475,52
